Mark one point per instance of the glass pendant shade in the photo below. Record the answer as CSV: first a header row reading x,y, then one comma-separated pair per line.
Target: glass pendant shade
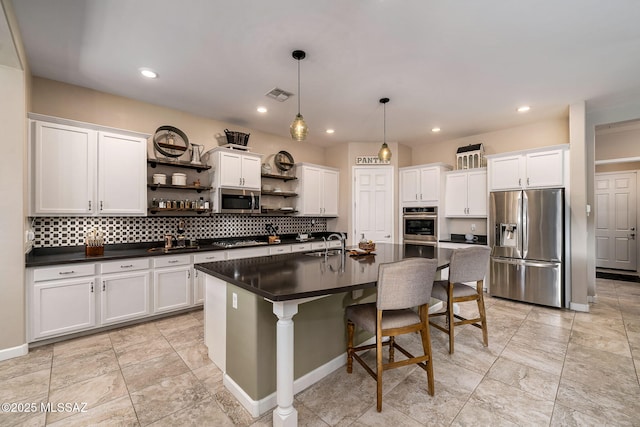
x,y
385,153
298,128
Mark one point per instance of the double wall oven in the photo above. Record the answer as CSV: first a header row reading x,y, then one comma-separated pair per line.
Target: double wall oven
x,y
420,225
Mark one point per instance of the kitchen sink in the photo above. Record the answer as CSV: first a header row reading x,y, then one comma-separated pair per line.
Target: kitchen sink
x,y
319,254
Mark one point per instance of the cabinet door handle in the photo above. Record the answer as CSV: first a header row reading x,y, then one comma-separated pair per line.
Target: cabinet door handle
x,y
66,272
126,266
519,182
416,196
420,196
104,286
188,274
89,204
91,287
527,180
172,261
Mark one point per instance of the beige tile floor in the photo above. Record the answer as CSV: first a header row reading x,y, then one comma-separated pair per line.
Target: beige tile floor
x,y
543,367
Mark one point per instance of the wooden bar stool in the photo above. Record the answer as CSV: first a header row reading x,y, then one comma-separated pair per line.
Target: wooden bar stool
x,y
467,265
402,286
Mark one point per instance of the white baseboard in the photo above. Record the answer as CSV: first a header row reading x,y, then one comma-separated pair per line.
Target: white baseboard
x,y
579,307
10,353
259,407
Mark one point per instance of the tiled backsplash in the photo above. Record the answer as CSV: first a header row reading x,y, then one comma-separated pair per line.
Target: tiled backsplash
x,y
70,231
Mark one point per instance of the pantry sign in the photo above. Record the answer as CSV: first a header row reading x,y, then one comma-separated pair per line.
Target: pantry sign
x,y
371,160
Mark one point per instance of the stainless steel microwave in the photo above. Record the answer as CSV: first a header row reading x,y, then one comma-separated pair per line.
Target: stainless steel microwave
x,y
237,201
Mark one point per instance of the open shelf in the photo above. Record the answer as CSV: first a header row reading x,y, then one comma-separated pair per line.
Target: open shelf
x,y
187,165
185,210
282,177
197,188
265,211
284,194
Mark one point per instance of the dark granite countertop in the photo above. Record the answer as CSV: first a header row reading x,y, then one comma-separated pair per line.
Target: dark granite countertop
x,y
293,276
39,257
459,238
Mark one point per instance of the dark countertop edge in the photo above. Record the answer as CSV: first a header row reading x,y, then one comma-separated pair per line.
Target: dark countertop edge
x,y
459,238
42,257
282,297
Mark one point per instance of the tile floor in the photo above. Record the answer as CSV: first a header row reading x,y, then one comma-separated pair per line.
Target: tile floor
x,y
543,367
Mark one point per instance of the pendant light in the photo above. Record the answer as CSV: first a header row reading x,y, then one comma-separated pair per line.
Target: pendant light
x,y
385,153
298,127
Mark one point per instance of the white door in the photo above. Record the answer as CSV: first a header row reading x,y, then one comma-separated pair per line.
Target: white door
x,y
65,170
122,187
615,206
312,189
171,288
124,297
373,197
63,306
456,194
506,173
251,172
330,190
230,170
477,193
430,184
409,183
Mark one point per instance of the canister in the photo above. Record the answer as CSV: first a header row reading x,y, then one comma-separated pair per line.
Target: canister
x,y
179,179
159,178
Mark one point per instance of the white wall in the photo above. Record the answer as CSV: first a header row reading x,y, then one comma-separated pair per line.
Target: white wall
x,y
12,202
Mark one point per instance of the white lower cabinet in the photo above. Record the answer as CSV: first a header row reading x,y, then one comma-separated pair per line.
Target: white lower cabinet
x,y
199,277
62,306
124,297
171,285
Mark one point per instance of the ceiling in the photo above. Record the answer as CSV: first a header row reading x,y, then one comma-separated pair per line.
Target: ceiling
x,y
463,66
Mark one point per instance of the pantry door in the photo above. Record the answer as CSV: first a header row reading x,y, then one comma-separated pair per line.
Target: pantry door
x,y
373,203
615,206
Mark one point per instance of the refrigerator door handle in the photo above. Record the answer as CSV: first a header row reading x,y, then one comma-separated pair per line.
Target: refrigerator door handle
x,y
527,262
524,226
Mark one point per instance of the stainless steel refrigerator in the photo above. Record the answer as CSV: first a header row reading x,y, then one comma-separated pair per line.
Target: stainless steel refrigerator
x,y
528,246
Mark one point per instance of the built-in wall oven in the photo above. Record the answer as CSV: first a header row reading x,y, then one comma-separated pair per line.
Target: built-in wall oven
x,y
420,225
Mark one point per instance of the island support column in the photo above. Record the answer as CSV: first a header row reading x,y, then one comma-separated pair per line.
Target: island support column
x,y
285,414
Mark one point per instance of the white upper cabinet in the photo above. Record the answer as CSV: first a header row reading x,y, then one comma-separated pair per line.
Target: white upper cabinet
x,y
236,170
466,193
533,169
84,171
121,174
317,190
421,185
64,169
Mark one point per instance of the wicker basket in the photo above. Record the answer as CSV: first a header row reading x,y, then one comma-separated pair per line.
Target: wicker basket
x,y
367,246
237,138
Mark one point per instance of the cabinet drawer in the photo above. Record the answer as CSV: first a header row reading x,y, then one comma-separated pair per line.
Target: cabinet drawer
x,y
124,265
301,247
209,257
318,245
276,250
171,261
63,272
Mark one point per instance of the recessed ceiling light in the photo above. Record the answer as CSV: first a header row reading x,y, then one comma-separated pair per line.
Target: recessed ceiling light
x,y
330,131
523,109
435,129
262,109
150,74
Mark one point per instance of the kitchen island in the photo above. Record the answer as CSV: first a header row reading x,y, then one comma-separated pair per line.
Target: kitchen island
x,y
240,330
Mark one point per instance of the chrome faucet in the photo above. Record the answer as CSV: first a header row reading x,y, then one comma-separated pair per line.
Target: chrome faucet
x,y
341,237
